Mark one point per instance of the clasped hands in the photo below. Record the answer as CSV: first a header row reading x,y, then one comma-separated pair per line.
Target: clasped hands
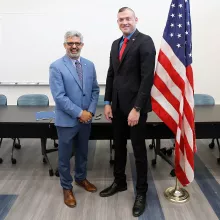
x,y
85,117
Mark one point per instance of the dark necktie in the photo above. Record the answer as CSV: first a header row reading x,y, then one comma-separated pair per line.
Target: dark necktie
x,y
79,71
123,48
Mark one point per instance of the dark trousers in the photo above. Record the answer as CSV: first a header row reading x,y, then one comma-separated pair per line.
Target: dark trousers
x,y
137,136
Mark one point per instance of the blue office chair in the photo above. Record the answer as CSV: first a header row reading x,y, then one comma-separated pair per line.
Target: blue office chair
x,y
203,99
29,100
3,102
33,100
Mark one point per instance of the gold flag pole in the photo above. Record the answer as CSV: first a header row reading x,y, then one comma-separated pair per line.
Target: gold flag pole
x,y
176,194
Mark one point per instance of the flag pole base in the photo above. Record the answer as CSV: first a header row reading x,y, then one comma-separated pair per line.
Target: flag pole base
x,y
176,194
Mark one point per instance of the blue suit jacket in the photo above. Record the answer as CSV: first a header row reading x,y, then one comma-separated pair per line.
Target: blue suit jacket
x,y
69,96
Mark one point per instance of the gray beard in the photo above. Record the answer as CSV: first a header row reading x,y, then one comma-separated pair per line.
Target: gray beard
x,y
74,55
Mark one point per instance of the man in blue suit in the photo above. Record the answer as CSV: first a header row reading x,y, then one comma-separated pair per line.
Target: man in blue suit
x,y
75,90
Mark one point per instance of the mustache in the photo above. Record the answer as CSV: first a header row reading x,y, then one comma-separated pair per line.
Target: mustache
x,y
74,55
76,50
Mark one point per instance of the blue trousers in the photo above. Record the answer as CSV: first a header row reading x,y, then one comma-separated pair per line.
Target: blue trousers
x,y
78,134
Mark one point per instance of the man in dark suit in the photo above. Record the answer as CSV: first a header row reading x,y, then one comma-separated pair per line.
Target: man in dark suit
x,y
127,102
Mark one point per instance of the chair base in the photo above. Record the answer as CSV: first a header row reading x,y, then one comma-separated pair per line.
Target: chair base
x,y
212,145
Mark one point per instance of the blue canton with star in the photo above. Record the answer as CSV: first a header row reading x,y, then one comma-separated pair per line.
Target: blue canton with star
x,y
178,32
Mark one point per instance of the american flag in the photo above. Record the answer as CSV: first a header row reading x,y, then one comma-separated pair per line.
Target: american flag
x,y
173,91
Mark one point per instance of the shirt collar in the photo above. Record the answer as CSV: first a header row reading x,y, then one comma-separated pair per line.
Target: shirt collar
x,y
129,36
74,60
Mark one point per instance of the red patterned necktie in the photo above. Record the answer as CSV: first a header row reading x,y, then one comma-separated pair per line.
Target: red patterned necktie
x,y
123,48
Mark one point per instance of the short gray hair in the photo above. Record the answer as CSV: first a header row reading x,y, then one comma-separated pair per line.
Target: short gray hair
x,y
73,34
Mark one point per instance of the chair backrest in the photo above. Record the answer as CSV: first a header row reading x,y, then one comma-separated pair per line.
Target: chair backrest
x,y
203,99
33,100
3,100
101,100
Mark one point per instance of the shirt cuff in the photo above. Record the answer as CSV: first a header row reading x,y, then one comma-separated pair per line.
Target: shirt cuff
x,y
107,102
80,114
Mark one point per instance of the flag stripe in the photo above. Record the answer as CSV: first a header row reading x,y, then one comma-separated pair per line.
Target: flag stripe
x,y
165,62
180,174
189,74
162,87
189,115
157,107
165,105
165,77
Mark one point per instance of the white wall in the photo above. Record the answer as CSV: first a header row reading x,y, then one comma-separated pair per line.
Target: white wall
x,y
97,21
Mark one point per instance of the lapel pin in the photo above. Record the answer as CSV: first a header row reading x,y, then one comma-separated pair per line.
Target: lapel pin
x,y
133,39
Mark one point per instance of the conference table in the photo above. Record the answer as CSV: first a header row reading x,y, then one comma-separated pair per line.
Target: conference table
x,y
20,122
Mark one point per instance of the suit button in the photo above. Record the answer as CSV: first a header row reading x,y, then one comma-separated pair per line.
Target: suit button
x,y
84,94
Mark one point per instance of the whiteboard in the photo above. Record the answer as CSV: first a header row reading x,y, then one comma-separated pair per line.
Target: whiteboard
x,y
32,35
31,32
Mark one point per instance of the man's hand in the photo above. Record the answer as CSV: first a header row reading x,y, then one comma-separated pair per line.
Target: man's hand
x,y
133,117
85,117
108,112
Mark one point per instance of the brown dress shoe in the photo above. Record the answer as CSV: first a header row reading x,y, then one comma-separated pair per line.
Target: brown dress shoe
x,y
87,185
69,198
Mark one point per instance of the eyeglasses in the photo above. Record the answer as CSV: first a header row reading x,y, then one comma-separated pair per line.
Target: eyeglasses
x,y
72,43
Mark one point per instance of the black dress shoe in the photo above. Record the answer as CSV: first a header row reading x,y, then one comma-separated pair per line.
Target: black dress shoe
x,y
139,205
111,190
